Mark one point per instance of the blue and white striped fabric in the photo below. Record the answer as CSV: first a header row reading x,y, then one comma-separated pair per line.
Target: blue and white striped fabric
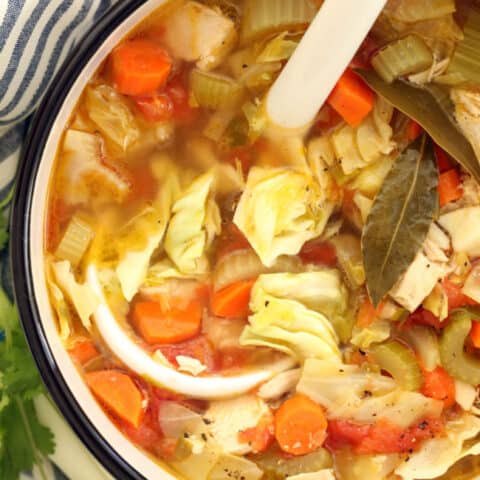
x,y
35,38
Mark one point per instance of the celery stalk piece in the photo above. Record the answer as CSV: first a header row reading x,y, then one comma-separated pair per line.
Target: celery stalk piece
x,y
458,363
402,57
400,362
465,64
75,241
214,91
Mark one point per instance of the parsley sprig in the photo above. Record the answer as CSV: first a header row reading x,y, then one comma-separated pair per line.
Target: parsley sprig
x,y
24,441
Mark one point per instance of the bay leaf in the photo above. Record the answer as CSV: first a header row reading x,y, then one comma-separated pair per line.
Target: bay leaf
x,y
400,217
420,105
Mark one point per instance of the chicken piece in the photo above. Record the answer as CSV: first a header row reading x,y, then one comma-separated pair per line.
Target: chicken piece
x,y
196,33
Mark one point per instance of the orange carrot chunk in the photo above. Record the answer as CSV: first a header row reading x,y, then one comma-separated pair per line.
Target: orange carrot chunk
x,y
159,325
475,334
352,98
449,187
438,384
139,67
118,393
300,425
232,301
367,313
83,351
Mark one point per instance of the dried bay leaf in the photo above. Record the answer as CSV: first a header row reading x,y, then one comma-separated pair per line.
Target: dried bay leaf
x,y
421,105
400,217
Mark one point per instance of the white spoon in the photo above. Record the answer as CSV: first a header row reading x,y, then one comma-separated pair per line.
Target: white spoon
x,y
141,362
322,56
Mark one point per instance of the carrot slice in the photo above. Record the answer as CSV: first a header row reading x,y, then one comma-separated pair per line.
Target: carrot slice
x,y
118,393
440,385
367,313
140,67
300,425
352,98
449,187
158,325
261,436
83,351
232,301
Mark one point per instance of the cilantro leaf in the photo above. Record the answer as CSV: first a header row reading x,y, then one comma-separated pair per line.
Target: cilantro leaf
x,y
23,440
26,440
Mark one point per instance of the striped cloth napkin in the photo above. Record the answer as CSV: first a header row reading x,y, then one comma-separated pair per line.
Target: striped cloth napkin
x,y
36,37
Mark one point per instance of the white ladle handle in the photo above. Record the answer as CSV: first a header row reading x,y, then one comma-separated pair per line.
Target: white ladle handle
x,y
322,56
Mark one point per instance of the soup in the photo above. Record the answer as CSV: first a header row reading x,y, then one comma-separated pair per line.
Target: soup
x,y
250,303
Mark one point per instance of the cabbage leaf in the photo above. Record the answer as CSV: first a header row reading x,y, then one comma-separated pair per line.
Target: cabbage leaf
x,y
341,390
81,295
194,224
83,176
287,325
437,455
279,211
376,332
111,114
144,233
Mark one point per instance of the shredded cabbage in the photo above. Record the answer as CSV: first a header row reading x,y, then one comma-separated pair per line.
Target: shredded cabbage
x,y
358,147
279,211
194,224
82,297
341,390
143,234
321,290
378,331
83,176
287,325
277,49
111,114
437,455
61,309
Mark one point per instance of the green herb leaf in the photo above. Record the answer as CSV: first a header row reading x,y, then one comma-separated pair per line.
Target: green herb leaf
x,y
400,218
420,105
23,440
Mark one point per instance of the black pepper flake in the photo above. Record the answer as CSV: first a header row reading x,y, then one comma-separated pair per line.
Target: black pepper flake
x,y
362,352
204,437
267,303
410,451
407,459
428,265
423,425
244,65
207,421
325,169
186,435
342,370
367,393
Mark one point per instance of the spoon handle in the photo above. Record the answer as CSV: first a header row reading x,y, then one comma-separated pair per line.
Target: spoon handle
x,y
322,56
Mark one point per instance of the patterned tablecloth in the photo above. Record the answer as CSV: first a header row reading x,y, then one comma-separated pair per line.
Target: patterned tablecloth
x,y
35,38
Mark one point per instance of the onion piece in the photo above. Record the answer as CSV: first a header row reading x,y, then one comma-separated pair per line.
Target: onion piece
x,y
175,420
245,264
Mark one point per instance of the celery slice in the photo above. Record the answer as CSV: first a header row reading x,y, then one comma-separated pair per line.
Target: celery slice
x,y
425,343
75,241
465,64
265,17
214,91
400,362
458,363
402,57
412,11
